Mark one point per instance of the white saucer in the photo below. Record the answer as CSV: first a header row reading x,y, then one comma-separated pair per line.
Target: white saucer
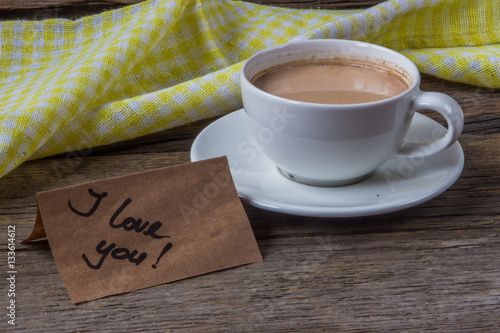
x,y
397,185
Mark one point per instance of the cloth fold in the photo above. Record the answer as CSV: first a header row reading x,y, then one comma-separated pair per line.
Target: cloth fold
x,y
69,85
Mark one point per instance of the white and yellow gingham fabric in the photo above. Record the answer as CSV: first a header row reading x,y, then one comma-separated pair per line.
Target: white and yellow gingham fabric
x,y
68,85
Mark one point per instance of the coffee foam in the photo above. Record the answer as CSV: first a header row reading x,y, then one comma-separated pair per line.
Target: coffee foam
x,y
334,80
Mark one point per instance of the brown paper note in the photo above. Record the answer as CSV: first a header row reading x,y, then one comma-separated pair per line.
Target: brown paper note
x,y
136,231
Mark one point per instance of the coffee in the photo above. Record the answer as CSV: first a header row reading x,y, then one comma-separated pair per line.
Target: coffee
x,y
330,82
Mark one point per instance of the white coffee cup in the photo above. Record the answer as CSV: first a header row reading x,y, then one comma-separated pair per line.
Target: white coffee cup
x,y
335,145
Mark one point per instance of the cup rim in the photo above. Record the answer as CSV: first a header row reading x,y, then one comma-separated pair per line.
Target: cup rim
x,y
409,66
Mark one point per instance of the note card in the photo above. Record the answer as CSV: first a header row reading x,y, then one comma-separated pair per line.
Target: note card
x,y
131,232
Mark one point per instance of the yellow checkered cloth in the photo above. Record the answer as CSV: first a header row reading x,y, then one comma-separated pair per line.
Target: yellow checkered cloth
x,y
68,85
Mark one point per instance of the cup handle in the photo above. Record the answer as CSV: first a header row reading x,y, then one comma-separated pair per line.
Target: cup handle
x,y
454,116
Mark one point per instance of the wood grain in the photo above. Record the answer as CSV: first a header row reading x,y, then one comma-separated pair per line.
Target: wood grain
x,y
74,9
315,4
34,4
433,267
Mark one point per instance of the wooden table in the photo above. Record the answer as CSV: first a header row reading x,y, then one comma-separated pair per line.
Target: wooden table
x,y
432,267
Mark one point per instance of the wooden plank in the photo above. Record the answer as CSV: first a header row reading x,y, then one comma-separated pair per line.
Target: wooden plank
x,y
74,9
315,4
37,4
376,274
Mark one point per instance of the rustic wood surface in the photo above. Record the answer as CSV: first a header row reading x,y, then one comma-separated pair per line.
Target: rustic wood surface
x,y
435,266
37,4
73,9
